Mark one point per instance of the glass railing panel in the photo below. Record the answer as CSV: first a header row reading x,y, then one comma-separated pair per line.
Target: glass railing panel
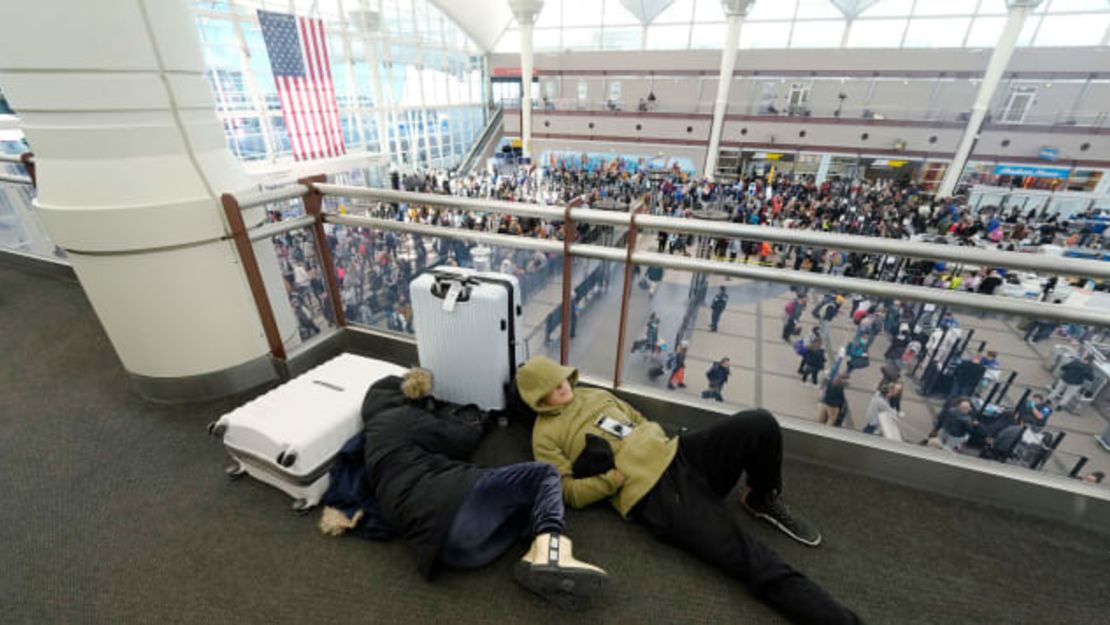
x,y
302,306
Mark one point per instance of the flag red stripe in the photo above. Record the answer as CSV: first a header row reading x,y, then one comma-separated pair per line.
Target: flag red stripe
x,y
312,45
311,92
333,104
289,112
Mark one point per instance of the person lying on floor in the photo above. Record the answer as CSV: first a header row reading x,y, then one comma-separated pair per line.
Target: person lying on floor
x,y
460,515
602,447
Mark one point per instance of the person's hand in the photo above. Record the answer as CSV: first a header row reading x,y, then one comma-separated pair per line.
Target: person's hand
x,y
617,476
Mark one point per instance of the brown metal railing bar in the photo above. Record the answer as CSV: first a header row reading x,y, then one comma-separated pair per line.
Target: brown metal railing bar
x,y
254,275
568,268
314,205
626,290
27,159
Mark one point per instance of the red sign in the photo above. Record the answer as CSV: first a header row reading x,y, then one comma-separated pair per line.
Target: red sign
x,y
506,72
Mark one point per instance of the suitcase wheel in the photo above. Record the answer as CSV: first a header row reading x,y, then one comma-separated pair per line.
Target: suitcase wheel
x,y
287,459
217,429
301,506
234,472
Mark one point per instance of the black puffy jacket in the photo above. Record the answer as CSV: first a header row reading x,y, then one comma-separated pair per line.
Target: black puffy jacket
x,y
417,465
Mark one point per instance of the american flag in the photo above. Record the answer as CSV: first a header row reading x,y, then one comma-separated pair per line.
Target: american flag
x,y
305,88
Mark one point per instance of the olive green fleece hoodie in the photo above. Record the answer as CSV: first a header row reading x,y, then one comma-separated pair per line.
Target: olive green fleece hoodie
x,y
559,436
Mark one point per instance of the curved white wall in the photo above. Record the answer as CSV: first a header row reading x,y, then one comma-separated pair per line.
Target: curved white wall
x,y
131,162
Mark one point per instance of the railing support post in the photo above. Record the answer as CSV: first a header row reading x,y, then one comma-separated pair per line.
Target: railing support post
x,y
314,205
28,161
626,292
254,274
568,268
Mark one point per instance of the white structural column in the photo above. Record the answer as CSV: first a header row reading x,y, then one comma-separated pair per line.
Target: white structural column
x,y
526,12
1000,58
131,163
735,10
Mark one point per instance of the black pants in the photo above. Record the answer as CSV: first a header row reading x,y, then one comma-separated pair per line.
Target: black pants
x,y
686,507
506,503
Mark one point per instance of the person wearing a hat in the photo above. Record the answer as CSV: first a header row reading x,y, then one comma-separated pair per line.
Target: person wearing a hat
x,y
677,486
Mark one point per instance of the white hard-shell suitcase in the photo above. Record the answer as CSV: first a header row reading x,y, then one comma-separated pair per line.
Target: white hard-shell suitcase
x,y
289,437
467,333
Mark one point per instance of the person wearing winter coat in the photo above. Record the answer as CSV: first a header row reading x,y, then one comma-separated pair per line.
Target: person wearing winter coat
x,y
455,514
718,376
676,486
813,362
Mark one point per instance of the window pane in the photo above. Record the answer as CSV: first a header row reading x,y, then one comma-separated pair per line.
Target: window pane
x,y
546,39
581,38
985,32
711,11
668,37
617,15
993,7
551,14
937,33
896,8
708,36
765,35
817,34
510,42
581,13
876,34
944,7
1064,6
679,11
625,38
817,8
1072,30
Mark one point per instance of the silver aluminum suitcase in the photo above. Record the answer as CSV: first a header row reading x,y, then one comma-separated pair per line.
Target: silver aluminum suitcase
x,y
289,436
467,329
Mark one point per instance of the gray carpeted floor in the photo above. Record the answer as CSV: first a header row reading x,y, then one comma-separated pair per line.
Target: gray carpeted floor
x,y
118,512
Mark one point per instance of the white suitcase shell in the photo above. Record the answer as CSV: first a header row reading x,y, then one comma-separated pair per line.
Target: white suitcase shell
x,y
472,348
289,436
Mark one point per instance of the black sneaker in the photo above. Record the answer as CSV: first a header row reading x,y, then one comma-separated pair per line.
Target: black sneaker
x,y
777,513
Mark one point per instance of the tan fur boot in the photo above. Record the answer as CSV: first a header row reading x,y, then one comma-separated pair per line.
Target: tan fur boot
x,y
550,570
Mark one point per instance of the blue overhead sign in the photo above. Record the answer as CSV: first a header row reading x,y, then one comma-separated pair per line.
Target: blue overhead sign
x,y
1049,154
1034,171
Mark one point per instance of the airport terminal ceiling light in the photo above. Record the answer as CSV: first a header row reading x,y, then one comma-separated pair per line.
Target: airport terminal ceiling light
x,y
691,24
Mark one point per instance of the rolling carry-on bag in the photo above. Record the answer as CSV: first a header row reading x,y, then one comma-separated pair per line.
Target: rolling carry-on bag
x,y
289,436
467,329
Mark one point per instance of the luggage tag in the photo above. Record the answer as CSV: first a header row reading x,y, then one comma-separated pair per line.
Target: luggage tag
x,y
453,293
620,429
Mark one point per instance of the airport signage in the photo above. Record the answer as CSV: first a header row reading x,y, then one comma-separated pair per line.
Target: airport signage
x,y
1059,173
1049,154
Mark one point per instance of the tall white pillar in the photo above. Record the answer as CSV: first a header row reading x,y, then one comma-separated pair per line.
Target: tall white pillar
x,y
526,12
735,10
131,162
1000,58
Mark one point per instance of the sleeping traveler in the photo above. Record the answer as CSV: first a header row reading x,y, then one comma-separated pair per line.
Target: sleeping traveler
x,y
676,486
457,514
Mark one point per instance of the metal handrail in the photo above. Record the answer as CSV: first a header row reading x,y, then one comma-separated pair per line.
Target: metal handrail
x,y
550,213
890,247
16,179
851,242
11,158
281,227
274,195
987,303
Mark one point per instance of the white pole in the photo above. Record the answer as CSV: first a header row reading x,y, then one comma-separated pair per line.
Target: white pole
x,y
526,89
724,82
1000,58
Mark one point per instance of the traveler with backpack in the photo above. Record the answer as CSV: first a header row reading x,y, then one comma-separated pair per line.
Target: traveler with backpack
x,y
813,361
793,310
677,364
833,400
718,307
718,376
